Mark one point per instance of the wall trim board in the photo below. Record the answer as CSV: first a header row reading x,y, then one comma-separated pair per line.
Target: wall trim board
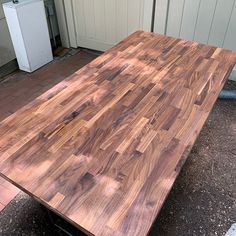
x,y
62,23
69,12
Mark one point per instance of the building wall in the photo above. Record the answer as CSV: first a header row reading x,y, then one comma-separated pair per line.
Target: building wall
x,y
6,48
211,22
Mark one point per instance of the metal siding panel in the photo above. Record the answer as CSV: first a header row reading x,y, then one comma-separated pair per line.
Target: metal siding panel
x,y
175,17
161,13
147,13
121,19
89,18
134,14
79,18
220,22
230,39
110,13
204,21
99,18
100,24
189,20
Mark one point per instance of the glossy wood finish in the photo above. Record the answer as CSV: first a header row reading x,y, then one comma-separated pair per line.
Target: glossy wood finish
x,y
103,147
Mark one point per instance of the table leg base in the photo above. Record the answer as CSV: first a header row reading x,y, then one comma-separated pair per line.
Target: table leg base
x,y
62,225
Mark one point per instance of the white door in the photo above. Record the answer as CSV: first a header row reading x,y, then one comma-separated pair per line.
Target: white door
x,y
100,24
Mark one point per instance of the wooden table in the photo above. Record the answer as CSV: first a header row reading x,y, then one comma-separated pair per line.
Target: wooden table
x,y
104,147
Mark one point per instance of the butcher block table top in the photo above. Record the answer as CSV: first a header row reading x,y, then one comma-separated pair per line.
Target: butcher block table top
x,y
104,147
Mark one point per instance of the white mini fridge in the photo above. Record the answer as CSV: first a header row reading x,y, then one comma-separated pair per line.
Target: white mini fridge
x,y
29,33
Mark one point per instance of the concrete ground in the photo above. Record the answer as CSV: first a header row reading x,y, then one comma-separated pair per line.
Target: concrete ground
x,y
203,199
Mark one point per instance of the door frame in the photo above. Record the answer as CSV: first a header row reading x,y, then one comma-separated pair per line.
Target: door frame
x,y
63,22
65,16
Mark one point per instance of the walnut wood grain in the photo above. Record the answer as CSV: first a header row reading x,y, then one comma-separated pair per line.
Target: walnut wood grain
x,y
104,147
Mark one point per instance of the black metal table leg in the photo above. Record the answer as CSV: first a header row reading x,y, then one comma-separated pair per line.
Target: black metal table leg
x,y
62,225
